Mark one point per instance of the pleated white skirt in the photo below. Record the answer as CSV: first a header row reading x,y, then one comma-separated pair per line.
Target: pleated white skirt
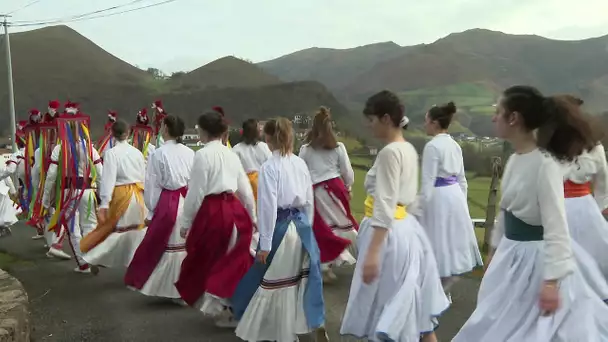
x,y
448,224
589,228
508,302
407,298
8,213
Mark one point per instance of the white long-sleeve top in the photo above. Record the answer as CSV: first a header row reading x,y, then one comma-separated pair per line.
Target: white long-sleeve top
x,y
252,156
441,157
168,168
533,190
123,164
216,169
328,164
284,182
590,167
83,163
36,169
15,165
392,180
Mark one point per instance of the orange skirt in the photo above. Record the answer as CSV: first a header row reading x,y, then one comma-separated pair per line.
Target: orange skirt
x,y
253,179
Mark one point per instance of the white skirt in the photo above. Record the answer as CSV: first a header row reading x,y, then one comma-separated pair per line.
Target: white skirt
x,y
508,302
118,249
407,298
8,213
589,229
277,313
161,282
448,225
334,214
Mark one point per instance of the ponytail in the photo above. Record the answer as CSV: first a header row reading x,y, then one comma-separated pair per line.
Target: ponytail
x,y
281,135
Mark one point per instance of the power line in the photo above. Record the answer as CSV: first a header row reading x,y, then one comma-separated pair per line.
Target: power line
x,y
24,7
74,17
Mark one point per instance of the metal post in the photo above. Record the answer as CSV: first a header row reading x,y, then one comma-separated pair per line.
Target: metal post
x,y
11,94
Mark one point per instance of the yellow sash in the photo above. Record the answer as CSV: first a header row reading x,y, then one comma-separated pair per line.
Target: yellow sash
x,y
400,212
121,199
253,179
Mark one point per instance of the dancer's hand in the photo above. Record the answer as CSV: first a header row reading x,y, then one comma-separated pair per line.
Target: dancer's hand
x,y
102,215
371,268
261,256
549,297
146,222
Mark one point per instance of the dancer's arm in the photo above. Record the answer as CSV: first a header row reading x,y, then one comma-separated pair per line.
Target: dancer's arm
x,y
51,177
600,179
346,169
108,179
244,192
430,168
197,190
267,205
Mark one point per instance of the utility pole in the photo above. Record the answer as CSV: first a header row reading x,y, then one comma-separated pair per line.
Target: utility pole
x,y
9,73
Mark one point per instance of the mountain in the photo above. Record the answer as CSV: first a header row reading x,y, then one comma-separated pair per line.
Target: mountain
x,y
226,72
59,63
335,68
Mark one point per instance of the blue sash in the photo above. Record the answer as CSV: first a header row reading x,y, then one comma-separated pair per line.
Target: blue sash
x,y
445,181
314,307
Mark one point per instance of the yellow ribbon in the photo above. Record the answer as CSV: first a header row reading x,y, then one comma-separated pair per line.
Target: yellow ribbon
x,y
400,211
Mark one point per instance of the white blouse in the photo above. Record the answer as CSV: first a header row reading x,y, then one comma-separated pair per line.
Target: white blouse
x,y
216,169
123,164
328,164
252,156
533,191
392,180
284,182
83,158
168,168
15,165
441,157
590,167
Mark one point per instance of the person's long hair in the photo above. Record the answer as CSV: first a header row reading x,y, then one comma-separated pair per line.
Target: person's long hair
x,y
321,135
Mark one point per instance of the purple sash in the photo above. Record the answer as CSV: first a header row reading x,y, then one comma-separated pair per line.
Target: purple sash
x,y
445,181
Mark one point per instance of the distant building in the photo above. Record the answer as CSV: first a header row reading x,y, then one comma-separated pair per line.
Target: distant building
x,y
190,134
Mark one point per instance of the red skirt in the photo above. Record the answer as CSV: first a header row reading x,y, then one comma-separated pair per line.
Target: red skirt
x,y
154,244
331,245
209,265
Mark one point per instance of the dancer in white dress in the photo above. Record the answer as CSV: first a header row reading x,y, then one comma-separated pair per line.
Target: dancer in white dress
x,y
533,290
396,293
282,294
332,175
218,219
157,262
442,201
122,210
8,213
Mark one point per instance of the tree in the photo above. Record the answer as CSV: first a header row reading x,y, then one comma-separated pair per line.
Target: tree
x,y
156,73
177,75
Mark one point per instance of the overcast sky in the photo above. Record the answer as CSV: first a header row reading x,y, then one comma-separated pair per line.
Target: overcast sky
x,y
185,34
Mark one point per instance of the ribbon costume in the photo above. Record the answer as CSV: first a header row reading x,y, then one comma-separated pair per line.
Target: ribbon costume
x,y
141,133
107,141
159,115
74,166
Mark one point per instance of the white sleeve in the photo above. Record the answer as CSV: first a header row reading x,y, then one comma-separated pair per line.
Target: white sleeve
x,y
430,168
267,205
36,170
310,200
51,177
152,184
108,179
558,253
98,164
11,186
267,151
244,192
11,166
387,181
462,177
197,190
346,169
600,180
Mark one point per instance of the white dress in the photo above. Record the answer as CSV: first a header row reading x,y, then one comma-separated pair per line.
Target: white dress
x,y
8,212
168,168
407,298
252,156
588,227
276,312
123,165
325,165
508,302
445,212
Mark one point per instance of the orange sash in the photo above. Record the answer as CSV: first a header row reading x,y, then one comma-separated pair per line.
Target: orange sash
x,y
121,199
253,179
572,189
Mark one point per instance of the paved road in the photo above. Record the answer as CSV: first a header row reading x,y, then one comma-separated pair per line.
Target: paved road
x,y
70,307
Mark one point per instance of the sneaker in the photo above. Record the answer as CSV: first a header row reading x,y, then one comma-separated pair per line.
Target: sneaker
x,y
54,252
321,335
84,271
37,237
45,246
226,322
449,295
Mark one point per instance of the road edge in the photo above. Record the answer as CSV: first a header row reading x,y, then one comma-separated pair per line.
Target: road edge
x,y
14,313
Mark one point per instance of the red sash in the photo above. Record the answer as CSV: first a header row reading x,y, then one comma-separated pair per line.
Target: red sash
x,y
572,189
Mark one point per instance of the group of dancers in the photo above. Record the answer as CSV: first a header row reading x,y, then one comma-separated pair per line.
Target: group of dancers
x,y
249,234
